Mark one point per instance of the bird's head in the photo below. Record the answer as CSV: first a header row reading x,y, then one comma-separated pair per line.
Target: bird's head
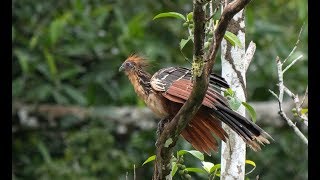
x,y
133,63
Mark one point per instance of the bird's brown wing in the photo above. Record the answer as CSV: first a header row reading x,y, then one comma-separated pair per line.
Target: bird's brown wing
x,y
176,85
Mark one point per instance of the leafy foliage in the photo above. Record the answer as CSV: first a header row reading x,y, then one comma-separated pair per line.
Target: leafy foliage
x,y
170,14
233,39
208,168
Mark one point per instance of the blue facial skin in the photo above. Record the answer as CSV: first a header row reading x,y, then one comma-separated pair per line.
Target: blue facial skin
x,y
126,66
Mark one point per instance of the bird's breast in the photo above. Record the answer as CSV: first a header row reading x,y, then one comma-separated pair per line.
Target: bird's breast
x,y
156,104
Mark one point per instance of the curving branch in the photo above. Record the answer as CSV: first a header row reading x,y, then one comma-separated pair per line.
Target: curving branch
x,y
282,90
202,67
249,55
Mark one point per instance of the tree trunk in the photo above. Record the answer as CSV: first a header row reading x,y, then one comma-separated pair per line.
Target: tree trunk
x,y
233,70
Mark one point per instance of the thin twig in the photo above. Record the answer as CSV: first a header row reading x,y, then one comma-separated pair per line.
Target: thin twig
x,y
280,76
292,63
282,88
295,128
274,94
297,102
296,44
304,97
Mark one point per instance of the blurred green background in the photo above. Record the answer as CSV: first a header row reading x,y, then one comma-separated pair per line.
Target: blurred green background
x,y
68,53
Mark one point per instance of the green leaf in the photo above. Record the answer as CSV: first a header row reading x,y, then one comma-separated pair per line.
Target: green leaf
x,y
216,168
34,40
174,168
51,63
182,152
170,14
252,164
207,166
23,60
228,92
55,30
195,153
44,71
251,111
304,111
57,26
75,94
183,42
233,39
234,103
197,170
44,152
70,73
43,91
59,98
151,158
190,16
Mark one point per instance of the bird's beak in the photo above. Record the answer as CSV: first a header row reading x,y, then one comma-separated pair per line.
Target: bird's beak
x,y
121,68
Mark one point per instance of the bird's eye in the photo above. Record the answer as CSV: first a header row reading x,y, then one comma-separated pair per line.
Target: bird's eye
x,y
129,65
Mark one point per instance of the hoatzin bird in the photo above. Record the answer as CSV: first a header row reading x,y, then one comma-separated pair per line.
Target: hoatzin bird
x,y
166,91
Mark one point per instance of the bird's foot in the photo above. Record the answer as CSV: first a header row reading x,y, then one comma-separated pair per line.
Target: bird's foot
x,y
162,123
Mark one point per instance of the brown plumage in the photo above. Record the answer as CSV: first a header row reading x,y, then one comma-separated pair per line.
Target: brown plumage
x,y
167,90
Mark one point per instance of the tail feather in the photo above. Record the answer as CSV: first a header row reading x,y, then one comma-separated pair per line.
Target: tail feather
x,y
205,133
196,140
235,125
193,139
214,126
218,80
199,133
202,140
252,134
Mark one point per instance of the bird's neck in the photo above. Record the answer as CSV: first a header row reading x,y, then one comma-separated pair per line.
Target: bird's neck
x,y
140,80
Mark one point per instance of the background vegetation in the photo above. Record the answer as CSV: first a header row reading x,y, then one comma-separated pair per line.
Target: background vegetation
x,y
69,52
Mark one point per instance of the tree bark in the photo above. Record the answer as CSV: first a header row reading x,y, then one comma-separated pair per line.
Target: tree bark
x,y
233,152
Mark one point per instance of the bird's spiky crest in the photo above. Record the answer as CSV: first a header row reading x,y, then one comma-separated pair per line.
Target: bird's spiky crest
x,y
138,60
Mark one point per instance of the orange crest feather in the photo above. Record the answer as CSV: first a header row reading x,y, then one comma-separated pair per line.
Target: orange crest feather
x,y
138,60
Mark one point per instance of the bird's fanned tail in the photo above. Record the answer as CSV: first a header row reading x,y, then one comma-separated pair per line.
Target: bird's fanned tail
x,y
199,133
251,133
